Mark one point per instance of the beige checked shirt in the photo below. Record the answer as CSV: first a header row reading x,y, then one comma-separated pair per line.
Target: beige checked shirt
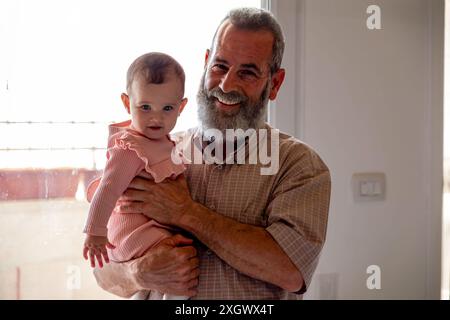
x,y
292,205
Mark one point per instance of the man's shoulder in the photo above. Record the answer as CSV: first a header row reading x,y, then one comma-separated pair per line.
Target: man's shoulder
x,y
297,152
288,143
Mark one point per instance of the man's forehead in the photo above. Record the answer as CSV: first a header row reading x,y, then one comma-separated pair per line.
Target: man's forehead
x,y
253,46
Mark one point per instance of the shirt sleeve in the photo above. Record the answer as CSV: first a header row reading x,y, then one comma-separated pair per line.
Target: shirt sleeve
x,y
121,167
298,211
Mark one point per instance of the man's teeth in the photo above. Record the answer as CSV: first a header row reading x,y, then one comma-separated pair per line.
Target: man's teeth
x,y
229,102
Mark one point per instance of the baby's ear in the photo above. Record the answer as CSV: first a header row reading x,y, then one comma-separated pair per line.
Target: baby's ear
x,y
182,105
126,101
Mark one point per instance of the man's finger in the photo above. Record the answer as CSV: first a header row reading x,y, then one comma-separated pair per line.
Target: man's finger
x,y
181,289
143,184
193,283
193,274
178,240
188,288
194,262
192,292
185,253
134,195
185,285
131,207
180,179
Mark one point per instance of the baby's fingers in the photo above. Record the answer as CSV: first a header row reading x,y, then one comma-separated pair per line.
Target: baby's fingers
x,y
110,245
92,257
98,255
105,255
85,253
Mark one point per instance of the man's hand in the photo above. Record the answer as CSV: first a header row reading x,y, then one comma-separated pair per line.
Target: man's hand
x,y
170,267
166,202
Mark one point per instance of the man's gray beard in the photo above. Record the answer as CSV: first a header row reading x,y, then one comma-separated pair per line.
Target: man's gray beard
x,y
249,115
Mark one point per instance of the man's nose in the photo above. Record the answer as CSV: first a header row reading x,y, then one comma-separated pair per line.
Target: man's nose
x,y
229,82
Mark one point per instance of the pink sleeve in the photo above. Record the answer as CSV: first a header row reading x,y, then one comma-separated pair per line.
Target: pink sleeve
x,y
121,167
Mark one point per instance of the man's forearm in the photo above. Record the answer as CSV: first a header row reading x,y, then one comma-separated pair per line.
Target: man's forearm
x,y
115,278
247,248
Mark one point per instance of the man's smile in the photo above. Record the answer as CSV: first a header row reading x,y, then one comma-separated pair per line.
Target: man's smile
x,y
226,107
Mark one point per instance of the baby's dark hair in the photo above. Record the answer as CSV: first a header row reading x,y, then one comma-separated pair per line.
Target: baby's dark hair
x,y
154,67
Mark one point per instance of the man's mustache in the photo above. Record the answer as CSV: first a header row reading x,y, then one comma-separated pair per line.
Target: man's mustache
x,y
231,97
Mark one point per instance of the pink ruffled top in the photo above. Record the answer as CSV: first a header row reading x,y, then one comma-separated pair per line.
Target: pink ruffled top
x,y
129,153
159,159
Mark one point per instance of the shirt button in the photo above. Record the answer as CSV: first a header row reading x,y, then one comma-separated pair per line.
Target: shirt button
x,y
208,252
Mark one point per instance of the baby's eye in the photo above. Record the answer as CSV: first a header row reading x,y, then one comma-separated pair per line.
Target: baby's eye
x,y
168,108
146,107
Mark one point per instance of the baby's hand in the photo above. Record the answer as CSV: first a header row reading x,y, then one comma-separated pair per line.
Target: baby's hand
x,y
95,247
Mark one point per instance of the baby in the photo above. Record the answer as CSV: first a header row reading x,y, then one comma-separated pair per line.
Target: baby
x,y
154,99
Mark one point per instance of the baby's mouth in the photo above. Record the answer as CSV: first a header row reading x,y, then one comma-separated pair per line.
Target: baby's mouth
x,y
155,128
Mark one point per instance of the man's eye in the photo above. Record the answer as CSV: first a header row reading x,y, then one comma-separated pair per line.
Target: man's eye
x,y
220,67
146,107
168,108
248,73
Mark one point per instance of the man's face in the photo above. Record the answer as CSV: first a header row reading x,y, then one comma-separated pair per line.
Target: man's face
x,y
236,84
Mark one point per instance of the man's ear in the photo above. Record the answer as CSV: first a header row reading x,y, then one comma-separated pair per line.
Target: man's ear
x,y
206,57
277,81
126,101
182,105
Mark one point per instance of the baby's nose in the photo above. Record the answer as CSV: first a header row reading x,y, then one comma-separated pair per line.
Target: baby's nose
x,y
157,117
156,120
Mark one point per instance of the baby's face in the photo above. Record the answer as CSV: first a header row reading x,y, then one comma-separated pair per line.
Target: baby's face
x,y
154,108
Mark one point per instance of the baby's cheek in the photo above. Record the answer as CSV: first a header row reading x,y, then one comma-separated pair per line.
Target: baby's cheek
x,y
170,123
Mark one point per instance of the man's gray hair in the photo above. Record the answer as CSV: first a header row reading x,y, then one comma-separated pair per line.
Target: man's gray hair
x,y
256,19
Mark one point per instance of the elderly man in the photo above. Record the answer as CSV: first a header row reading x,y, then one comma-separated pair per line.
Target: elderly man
x,y
246,235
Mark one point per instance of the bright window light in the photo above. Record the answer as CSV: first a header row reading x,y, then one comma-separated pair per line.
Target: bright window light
x,y
66,61
62,70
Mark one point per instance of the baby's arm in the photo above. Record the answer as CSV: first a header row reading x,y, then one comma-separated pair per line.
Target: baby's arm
x,y
121,168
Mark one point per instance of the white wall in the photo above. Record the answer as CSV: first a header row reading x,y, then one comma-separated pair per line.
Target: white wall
x,y
371,101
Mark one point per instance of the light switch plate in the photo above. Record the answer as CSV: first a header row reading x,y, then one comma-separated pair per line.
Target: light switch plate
x,y
369,186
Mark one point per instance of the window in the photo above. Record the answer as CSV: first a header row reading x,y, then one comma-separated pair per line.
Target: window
x,y
62,70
